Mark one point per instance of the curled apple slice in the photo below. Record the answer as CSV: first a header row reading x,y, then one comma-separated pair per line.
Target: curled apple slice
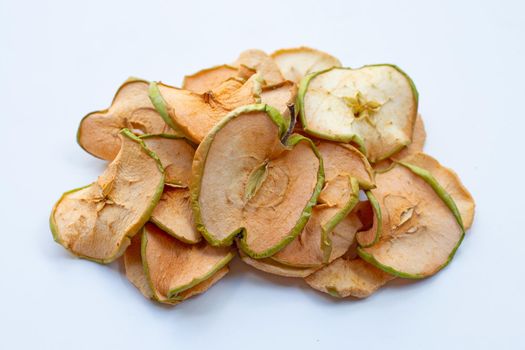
x,y
96,221
275,268
173,214
245,181
170,271
421,225
373,106
348,277
295,63
196,114
131,108
209,79
331,230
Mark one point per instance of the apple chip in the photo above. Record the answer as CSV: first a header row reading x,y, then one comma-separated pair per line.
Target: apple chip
x,y
96,221
273,267
450,182
330,231
298,62
348,277
131,108
246,181
196,114
133,263
421,225
175,154
257,61
173,214
209,79
373,106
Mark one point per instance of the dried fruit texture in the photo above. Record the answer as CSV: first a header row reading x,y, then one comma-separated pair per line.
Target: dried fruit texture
x,y
174,215
450,181
95,222
273,267
373,106
196,114
348,277
421,226
244,181
298,62
419,137
258,61
319,243
330,231
131,108
209,79
280,96
176,156
371,218
173,267
135,274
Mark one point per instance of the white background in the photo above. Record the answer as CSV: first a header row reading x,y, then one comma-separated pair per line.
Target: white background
x,y
61,59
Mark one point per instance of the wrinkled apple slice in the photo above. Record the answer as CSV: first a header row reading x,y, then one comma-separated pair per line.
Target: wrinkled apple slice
x,y
131,108
173,214
373,106
450,181
172,267
421,224
196,114
246,181
330,231
96,221
419,137
133,264
348,277
273,267
295,63
209,79
176,156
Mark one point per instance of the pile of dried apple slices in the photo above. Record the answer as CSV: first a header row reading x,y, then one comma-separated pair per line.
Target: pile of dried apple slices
x,y
302,167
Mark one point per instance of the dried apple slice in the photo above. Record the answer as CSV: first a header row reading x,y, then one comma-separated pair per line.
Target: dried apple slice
x,y
172,267
173,214
273,267
176,155
281,96
330,231
373,106
421,225
96,221
450,181
98,133
209,79
348,277
258,61
245,181
295,63
196,114
133,264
